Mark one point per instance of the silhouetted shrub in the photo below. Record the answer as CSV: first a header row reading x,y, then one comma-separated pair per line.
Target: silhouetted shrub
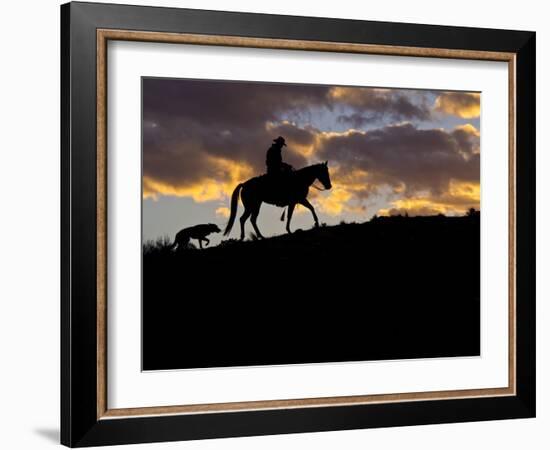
x,y
161,245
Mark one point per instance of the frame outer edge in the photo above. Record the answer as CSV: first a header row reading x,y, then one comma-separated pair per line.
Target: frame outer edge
x,y
307,28
65,388
79,427
79,262
526,226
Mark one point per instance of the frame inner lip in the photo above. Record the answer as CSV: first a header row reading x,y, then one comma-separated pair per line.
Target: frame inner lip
x,y
105,34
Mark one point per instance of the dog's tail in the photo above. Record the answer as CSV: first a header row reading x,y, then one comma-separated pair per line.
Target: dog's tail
x,y
234,205
174,245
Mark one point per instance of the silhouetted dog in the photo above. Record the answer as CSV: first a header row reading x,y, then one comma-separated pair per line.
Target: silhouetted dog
x,y
198,232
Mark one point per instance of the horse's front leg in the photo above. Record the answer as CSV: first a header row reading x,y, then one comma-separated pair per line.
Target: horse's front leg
x,y
289,216
309,206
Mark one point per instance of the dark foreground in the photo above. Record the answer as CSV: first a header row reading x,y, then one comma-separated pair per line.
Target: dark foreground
x,y
392,288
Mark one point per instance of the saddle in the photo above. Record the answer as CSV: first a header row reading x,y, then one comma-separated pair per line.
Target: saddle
x,y
279,178
278,186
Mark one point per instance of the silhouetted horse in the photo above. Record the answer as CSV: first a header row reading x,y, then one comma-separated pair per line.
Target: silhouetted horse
x,y
282,190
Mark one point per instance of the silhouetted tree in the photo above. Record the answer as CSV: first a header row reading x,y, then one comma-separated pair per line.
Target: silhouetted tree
x,y
472,213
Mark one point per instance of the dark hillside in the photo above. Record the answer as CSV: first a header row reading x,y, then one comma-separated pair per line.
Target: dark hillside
x,y
390,288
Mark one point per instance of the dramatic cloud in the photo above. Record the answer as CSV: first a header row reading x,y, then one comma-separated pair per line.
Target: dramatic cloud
x,y
462,104
467,137
202,138
403,155
420,171
370,104
199,137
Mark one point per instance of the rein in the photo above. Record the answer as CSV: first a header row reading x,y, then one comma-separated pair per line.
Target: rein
x,y
314,179
318,188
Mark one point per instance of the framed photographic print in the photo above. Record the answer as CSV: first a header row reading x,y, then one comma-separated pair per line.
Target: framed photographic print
x,y
276,224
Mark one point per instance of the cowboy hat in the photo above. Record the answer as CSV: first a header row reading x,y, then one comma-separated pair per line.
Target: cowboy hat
x,y
280,140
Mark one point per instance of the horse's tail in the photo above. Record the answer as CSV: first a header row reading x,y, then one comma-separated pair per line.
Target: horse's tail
x,y
283,215
234,201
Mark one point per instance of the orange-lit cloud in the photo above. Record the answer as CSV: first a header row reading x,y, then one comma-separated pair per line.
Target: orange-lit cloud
x,y
223,211
465,105
334,202
464,191
468,138
468,128
460,197
345,196
353,96
224,175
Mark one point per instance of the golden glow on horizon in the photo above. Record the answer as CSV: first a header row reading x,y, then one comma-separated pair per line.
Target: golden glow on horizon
x,y
335,202
345,188
350,189
465,191
415,206
460,197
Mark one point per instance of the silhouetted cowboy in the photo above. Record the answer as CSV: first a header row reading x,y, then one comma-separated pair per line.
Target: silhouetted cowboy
x,y
274,158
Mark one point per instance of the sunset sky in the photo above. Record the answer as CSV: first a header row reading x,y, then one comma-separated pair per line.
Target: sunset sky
x,y
389,150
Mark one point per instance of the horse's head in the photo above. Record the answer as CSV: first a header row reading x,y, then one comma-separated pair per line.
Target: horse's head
x,y
323,176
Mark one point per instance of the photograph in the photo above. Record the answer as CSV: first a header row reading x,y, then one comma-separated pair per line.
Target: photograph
x,y
288,223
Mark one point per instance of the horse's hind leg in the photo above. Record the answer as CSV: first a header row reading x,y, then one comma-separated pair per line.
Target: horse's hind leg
x,y
255,213
244,217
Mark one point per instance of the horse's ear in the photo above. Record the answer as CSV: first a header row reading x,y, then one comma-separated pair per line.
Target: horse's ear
x,y
326,163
